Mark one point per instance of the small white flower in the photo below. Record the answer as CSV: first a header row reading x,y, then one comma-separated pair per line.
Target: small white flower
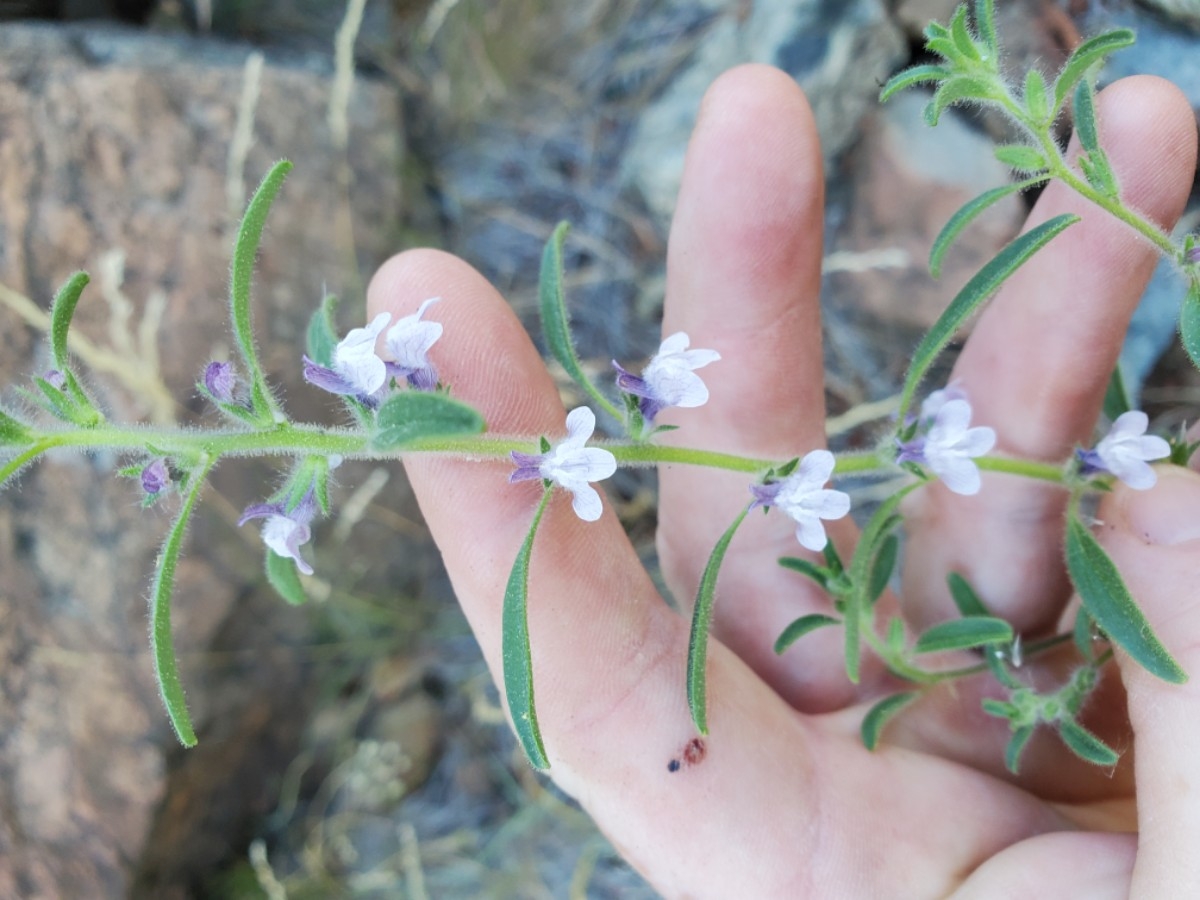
x,y
948,446
669,379
803,496
1126,451
355,359
571,465
408,343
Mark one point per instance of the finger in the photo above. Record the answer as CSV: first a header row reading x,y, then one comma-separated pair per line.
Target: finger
x,y
1154,538
1038,362
743,276
764,810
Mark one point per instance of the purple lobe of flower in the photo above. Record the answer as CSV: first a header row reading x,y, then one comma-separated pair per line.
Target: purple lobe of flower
x,y
804,497
571,465
220,381
1126,451
284,532
408,343
155,476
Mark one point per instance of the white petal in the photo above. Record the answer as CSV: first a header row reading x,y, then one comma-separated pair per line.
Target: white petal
x,y
958,473
829,504
674,385
698,359
581,422
816,467
1137,474
586,502
676,343
1129,424
952,419
978,441
1151,447
598,462
811,533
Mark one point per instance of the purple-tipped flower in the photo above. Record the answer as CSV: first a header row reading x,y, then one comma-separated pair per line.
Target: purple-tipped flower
x,y
357,370
55,378
220,381
571,465
804,497
284,532
947,443
408,343
1126,452
669,379
155,477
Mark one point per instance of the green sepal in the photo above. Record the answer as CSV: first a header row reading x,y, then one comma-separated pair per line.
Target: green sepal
x,y
282,574
958,89
556,325
165,667
967,214
697,687
321,337
245,250
964,634
544,444
1083,57
1086,745
61,312
1022,158
1036,102
881,713
1109,603
1016,746
408,416
1189,323
13,433
965,597
910,77
800,628
515,654
977,291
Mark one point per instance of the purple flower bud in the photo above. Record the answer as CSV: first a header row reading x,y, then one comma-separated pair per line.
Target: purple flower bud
x,y
220,381
56,379
155,476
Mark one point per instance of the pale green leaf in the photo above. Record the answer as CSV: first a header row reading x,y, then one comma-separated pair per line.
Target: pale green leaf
x,y
1016,746
912,76
1189,323
1083,57
282,574
964,634
1022,158
881,713
61,312
408,416
964,596
966,215
800,628
1086,745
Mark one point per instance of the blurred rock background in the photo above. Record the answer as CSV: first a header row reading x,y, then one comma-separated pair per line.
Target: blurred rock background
x,y
355,747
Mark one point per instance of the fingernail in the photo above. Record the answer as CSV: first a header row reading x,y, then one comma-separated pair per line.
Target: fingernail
x,y
1169,513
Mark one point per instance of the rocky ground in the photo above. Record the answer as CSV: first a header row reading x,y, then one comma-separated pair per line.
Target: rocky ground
x,y
356,747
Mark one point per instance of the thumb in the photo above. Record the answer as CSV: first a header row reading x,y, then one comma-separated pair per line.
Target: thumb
x,y
1154,538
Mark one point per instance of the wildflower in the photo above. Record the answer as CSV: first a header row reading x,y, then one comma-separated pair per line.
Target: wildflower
x,y
1126,451
155,477
571,465
285,531
669,379
220,381
357,371
408,343
948,445
803,496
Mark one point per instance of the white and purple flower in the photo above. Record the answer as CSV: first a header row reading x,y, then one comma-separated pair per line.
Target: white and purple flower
x,y
571,465
155,476
220,381
804,497
284,532
1126,452
357,370
946,443
408,342
669,379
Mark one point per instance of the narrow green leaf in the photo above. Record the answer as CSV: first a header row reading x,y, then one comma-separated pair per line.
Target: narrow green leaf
x,y
245,250
556,324
321,336
1085,117
1189,323
1086,745
911,76
961,35
61,313
985,24
12,432
883,566
958,89
1016,746
165,667
810,570
1109,603
13,466
800,628
58,403
1036,102
697,687
964,634
1021,158
515,653
881,713
282,574
407,416
966,215
1086,55
1099,173
977,291
964,596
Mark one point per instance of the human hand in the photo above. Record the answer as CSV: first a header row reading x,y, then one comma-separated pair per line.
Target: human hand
x,y
785,801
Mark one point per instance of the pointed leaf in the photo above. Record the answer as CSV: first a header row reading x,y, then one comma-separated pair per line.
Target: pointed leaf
x,y
408,416
282,574
61,313
881,713
985,24
957,89
1035,96
12,432
911,76
965,598
1016,746
976,292
165,667
964,634
321,336
1021,157
1085,117
961,35
966,215
1189,323
1109,603
1086,745
1083,57
883,566
801,627
14,465
515,653
811,570
697,687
